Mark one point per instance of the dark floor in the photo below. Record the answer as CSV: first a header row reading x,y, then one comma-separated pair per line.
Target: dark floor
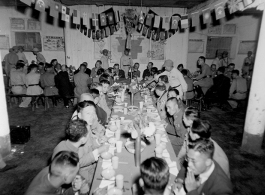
x,y
47,129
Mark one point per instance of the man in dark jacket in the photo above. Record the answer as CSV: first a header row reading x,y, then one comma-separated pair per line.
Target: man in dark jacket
x,y
220,89
63,84
87,71
203,174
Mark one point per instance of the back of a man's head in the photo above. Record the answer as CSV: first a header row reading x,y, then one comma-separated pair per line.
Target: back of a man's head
x,y
155,174
65,166
204,147
76,129
221,69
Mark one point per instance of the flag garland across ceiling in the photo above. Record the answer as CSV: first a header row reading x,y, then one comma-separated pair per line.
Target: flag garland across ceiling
x,y
150,25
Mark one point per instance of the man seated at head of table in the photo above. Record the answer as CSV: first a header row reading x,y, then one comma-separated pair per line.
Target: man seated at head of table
x,y
118,72
203,174
62,170
199,130
175,77
80,140
154,176
135,71
102,100
177,134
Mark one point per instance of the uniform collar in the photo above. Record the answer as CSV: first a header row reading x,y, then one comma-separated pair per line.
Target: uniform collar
x,y
204,176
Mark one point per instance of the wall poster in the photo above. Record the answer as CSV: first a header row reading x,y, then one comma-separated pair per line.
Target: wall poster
x,y
17,24
158,49
28,40
34,24
53,43
196,46
4,42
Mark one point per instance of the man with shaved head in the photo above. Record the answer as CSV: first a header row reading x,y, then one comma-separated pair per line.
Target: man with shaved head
x,y
175,78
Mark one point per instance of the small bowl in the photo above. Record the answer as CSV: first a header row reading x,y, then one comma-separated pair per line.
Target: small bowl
x,y
108,173
129,145
106,155
114,191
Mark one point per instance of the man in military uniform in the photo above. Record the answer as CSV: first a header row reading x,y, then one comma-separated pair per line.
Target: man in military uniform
x,y
175,78
204,80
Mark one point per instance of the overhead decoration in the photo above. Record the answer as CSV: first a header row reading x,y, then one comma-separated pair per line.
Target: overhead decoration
x,y
151,25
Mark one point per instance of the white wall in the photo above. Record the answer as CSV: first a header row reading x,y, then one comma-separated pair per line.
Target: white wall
x,y
248,27
46,29
81,48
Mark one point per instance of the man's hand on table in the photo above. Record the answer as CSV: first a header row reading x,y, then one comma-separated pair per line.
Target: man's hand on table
x,y
103,148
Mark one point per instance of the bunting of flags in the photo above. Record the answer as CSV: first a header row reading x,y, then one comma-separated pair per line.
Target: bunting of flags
x,y
152,25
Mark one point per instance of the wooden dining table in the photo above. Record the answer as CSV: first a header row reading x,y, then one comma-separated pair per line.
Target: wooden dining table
x,y
126,165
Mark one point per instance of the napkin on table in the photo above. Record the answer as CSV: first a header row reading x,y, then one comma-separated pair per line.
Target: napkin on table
x,y
104,183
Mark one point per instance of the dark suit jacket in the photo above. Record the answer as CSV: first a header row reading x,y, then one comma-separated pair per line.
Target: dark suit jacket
x,y
221,87
102,115
146,73
217,184
88,71
63,84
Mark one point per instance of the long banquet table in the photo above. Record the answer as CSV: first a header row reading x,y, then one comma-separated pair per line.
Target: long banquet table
x,y
127,166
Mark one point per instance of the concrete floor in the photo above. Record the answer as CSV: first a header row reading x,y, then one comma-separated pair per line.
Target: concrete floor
x,y
47,130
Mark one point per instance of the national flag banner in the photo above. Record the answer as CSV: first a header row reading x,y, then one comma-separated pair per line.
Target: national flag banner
x,y
103,20
112,29
139,27
65,13
153,35
117,16
117,27
40,5
89,33
170,34
144,30
219,11
94,19
98,34
103,33
76,16
54,9
107,31
184,22
85,31
149,19
110,18
85,20
166,22
135,21
93,34
195,19
166,34
206,15
149,33
247,2
175,22
162,35
157,34
157,22
141,18
27,2
232,6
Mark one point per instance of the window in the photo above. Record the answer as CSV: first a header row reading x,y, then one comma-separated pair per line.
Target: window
x,y
217,44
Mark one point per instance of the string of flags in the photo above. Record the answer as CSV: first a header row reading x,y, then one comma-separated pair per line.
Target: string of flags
x,y
150,24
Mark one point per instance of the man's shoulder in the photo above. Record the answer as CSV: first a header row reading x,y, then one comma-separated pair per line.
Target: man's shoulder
x,y
218,182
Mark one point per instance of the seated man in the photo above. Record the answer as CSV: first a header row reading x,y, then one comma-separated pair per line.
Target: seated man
x,y
18,80
175,109
79,186
164,79
238,89
147,72
135,71
220,89
203,174
102,99
214,71
81,141
100,72
62,170
154,176
189,94
161,92
105,90
229,70
107,77
96,68
118,72
204,80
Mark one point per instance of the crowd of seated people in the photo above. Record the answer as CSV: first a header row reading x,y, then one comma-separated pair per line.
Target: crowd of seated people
x,y
203,165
